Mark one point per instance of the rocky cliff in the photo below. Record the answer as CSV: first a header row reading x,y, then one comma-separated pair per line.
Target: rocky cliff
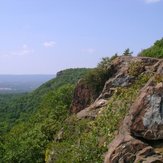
x,y
139,138
80,101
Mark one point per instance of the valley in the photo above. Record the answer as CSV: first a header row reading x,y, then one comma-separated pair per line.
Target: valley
x,y
21,83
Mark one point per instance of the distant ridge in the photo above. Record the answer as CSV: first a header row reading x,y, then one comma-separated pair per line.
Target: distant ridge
x,y
22,83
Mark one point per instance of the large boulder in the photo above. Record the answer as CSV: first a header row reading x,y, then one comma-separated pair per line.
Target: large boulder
x,y
143,127
147,113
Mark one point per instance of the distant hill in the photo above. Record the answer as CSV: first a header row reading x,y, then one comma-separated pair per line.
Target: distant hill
x,y
22,83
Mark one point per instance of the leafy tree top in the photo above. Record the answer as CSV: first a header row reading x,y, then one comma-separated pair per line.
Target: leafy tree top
x,y
127,52
155,51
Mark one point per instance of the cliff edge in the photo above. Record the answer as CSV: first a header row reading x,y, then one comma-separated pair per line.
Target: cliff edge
x,y
139,138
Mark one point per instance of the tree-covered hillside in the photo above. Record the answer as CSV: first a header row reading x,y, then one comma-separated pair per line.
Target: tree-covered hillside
x,y
28,121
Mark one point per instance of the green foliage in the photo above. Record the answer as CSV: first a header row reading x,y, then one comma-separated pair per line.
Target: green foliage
x,y
106,61
15,108
70,76
37,126
155,51
86,140
26,141
104,64
97,77
127,52
136,68
114,56
8,110
32,120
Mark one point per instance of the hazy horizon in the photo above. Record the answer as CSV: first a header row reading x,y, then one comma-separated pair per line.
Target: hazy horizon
x,y
22,83
44,37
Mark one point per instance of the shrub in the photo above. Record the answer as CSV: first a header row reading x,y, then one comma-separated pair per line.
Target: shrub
x,y
127,52
136,68
155,51
96,79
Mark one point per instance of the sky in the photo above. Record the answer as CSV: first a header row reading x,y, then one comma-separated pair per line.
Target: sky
x,y
46,36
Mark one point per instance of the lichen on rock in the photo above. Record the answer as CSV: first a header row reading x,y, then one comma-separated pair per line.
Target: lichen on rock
x,y
154,114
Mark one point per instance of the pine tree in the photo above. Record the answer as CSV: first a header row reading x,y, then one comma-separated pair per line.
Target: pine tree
x,y
127,52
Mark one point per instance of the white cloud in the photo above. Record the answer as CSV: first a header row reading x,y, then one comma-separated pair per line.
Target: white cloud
x,y
89,50
152,1
22,51
25,46
49,44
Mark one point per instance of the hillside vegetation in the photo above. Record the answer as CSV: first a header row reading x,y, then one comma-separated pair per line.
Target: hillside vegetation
x,y
28,121
155,51
45,131
47,126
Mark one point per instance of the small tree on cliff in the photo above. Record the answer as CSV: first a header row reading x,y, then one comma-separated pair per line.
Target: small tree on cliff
x,y
104,63
127,52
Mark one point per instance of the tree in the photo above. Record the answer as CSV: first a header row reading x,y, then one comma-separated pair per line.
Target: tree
x,y
104,63
114,56
127,52
155,51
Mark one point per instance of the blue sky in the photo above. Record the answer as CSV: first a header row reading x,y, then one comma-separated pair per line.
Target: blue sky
x,y
45,36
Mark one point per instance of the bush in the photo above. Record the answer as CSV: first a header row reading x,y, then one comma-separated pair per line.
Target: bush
x,y
136,68
155,51
96,79
127,52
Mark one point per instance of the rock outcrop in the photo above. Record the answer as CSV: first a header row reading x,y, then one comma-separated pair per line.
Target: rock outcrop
x,y
85,104
142,128
83,96
127,69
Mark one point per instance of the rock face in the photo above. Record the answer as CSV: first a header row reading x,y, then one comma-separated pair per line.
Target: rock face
x,y
127,69
143,125
89,104
147,113
92,110
83,97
